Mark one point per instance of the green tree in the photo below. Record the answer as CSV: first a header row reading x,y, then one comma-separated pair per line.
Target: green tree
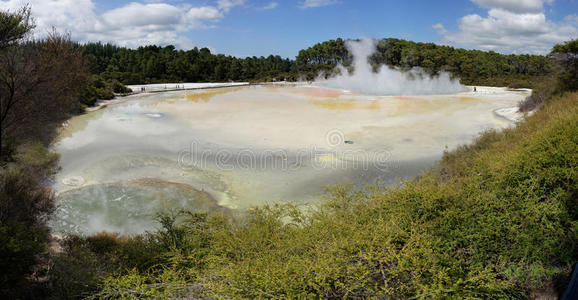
x,y
566,58
14,26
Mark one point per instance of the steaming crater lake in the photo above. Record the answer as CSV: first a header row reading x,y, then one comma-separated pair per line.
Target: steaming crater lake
x,y
233,148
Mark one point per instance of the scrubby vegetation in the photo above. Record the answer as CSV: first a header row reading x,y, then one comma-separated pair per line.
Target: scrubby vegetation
x,y
100,89
25,205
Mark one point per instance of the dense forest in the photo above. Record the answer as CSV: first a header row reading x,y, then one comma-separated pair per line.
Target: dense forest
x,y
495,219
152,64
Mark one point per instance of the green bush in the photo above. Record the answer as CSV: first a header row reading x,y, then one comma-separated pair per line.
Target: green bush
x,y
25,205
99,89
119,88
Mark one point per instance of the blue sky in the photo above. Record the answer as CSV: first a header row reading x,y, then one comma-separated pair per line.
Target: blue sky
x,y
263,27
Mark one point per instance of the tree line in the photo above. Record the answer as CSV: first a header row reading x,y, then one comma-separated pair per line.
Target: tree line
x,y
471,66
155,64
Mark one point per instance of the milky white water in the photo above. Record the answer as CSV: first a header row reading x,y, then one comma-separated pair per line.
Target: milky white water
x,y
234,148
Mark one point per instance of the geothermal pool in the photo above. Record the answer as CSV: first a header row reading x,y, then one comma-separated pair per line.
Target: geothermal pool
x,y
233,148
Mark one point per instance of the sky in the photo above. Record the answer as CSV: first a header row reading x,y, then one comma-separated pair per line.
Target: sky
x,y
283,27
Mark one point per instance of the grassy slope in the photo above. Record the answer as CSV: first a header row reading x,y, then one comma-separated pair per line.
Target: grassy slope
x,y
495,219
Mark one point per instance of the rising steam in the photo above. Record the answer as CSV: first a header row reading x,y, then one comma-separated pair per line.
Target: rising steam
x,y
387,81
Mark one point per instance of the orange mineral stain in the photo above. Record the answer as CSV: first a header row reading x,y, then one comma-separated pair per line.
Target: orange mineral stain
x,y
207,95
405,98
317,92
467,98
335,104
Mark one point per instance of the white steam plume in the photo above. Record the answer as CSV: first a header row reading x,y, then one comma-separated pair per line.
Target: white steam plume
x,y
387,81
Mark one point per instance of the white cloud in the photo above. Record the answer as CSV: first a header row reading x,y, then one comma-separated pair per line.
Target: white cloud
x,y
507,29
440,28
227,5
271,5
70,12
317,3
204,13
137,14
517,6
131,25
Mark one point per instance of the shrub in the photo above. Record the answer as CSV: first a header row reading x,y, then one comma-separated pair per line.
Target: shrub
x,y
77,271
119,88
25,205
